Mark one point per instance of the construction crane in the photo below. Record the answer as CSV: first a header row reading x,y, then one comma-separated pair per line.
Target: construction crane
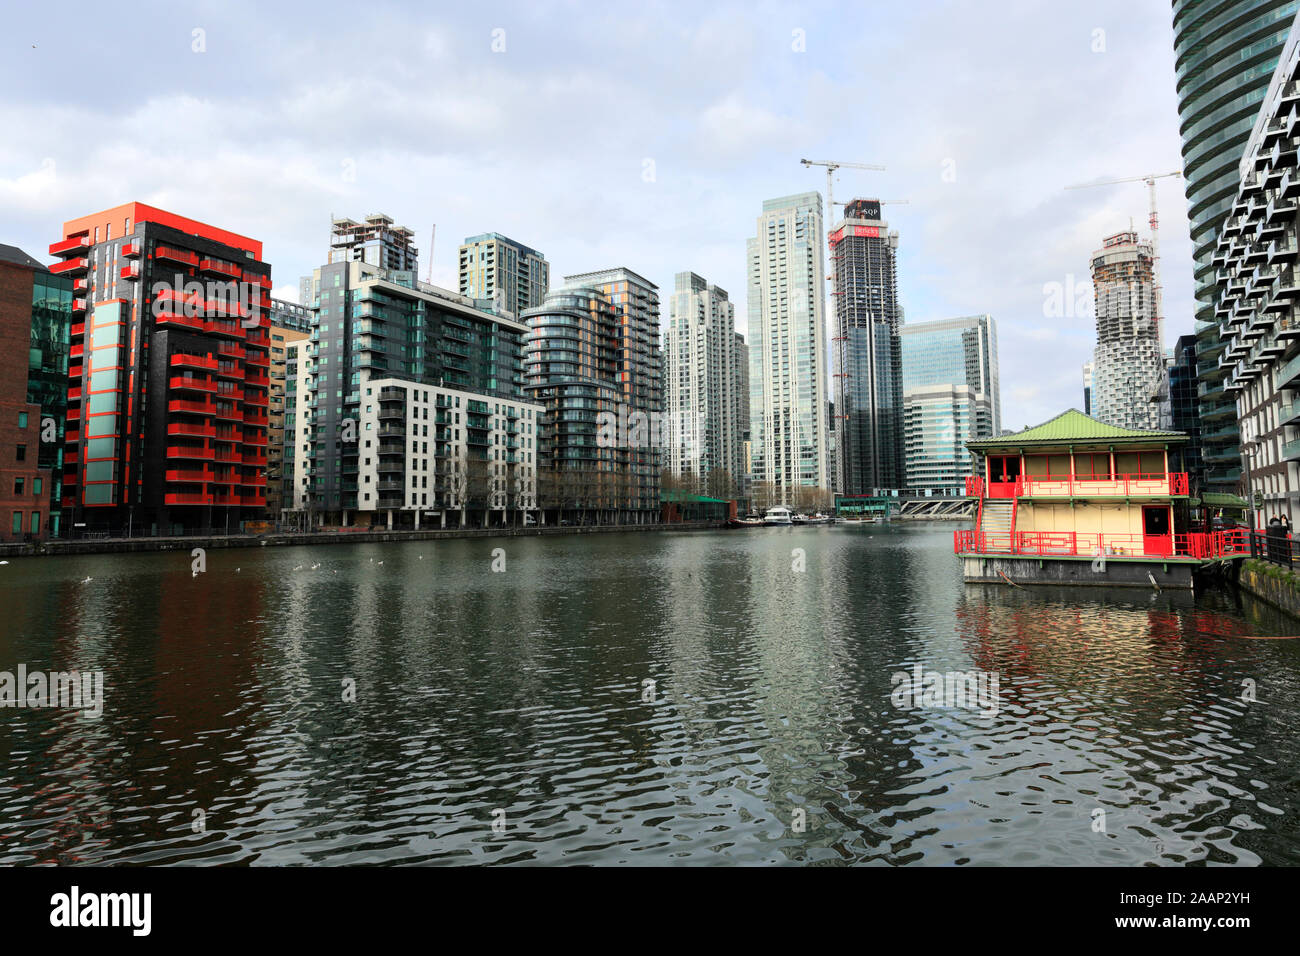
x,y
839,339
831,166
883,202
1150,180
428,273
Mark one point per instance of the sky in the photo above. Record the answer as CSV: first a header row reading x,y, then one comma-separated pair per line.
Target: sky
x,y
642,135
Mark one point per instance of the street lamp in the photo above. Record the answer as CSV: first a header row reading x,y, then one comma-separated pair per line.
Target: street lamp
x,y
1248,449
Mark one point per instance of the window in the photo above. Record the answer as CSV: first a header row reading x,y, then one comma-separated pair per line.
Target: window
x,y
36,522
37,484
22,419
18,522
21,453
19,485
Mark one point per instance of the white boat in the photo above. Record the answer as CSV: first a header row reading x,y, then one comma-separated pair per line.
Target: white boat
x,y
779,514
819,518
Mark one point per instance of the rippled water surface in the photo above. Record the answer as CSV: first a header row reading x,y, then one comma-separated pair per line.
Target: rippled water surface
x,y
225,737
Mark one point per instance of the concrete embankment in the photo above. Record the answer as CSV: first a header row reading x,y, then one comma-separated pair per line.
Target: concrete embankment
x,y
128,545
1277,585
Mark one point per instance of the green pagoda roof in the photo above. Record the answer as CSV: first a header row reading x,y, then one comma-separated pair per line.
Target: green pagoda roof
x,y
1074,427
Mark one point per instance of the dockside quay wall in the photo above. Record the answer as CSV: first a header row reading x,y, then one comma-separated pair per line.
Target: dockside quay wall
x,y
987,569
1273,583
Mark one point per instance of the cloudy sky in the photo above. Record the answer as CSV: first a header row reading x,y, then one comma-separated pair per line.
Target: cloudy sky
x,y
644,135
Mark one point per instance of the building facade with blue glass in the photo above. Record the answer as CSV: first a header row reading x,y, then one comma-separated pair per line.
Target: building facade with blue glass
x,y
951,395
1226,52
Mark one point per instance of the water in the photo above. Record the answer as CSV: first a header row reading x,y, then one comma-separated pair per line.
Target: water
x,y
225,737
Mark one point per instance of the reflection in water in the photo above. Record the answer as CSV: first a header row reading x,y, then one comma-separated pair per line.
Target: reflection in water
x,y
644,698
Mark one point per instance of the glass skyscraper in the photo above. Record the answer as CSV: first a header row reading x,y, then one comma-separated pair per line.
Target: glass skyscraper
x,y
951,396
867,364
1225,55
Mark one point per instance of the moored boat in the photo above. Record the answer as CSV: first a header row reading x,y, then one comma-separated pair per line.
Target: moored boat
x,y
779,514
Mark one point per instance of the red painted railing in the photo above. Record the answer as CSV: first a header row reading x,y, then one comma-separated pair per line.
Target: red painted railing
x,y
1146,483
1204,545
1151,483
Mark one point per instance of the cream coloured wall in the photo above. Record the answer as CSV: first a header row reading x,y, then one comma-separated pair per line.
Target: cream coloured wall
x,y
1090,518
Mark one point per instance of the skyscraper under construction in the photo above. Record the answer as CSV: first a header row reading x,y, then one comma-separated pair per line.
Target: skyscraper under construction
x,y
1128,365
867,363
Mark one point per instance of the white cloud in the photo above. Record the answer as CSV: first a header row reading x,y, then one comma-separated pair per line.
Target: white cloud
x,y
408,111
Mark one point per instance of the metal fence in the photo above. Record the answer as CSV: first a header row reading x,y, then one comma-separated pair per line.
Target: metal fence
x,y
1277,546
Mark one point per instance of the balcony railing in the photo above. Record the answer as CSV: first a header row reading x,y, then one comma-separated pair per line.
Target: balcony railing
x,y
1203,545
1086,486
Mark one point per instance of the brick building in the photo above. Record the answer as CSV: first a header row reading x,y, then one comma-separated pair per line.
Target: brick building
x,y
24,483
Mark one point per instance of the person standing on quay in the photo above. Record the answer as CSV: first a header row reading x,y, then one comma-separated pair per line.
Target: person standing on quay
x,y
1275,540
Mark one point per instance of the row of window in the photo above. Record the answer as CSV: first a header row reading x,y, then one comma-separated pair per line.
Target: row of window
x,y
35,527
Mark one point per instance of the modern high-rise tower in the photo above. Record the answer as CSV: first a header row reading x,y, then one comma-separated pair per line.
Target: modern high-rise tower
x,y
511,275
375,241
706,398
787,346
1225,55
592,353
1128,365
951,396
867,360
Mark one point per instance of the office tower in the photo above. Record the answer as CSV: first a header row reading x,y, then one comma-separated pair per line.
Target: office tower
x,y
867,357
1128,364
35,323
787,348
951,395
1225,55
1087,388
407,406
704,388
168,373
507,273
1257,290
1183,410
278,490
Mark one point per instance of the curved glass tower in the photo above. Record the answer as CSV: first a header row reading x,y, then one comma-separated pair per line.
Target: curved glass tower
x,y
1225,54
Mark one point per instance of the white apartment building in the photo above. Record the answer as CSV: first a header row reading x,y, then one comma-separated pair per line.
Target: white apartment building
x,y
427,455
705,376
787,346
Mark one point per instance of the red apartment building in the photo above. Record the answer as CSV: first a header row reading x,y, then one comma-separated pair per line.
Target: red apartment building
x,y
168,374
